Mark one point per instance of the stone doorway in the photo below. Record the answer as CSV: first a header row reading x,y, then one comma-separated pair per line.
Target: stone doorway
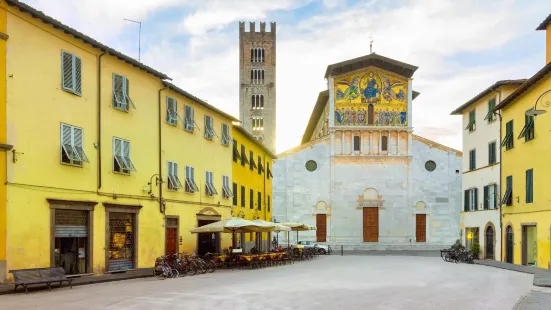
x,y
420,227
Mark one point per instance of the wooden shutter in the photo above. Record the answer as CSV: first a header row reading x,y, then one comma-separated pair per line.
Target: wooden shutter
x,y
476,199
234,194
486,197
67,71
466,202
118,92
78,76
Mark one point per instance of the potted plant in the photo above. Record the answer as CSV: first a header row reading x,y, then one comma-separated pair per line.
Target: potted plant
x,y
475,250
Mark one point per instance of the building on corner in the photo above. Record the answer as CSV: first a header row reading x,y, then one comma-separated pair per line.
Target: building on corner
x,y
480,216
252,186
525,148
360,175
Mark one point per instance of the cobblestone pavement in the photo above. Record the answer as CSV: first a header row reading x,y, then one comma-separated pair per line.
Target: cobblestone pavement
x,y
535,301
330,282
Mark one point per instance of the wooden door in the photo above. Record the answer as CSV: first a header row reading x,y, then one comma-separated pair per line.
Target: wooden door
x,y
321,227
421,227
171,240
371,224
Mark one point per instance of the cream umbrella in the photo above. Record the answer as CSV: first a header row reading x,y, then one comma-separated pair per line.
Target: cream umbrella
x,y
277,227
228,226
296,227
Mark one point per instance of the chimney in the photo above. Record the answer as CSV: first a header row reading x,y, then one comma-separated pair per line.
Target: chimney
x,y
546,25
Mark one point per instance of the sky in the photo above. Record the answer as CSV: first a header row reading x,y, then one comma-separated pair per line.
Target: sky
x,y
460,47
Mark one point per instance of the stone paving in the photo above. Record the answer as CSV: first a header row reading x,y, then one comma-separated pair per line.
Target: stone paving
x,y
329,282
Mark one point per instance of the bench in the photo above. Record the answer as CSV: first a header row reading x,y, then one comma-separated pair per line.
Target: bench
x,y
26,277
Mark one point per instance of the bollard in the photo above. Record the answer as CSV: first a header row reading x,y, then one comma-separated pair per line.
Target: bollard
x,y
342,249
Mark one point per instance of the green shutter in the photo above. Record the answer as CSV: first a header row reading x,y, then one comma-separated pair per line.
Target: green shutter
x,y
486,197
78,75
67,71
466,202
476,199
529,185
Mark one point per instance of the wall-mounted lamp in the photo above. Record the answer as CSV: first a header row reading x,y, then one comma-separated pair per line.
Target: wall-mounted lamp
x,y
518,199
545,104
15,153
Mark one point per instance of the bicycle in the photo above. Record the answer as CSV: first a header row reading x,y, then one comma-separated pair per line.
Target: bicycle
x,y
163,270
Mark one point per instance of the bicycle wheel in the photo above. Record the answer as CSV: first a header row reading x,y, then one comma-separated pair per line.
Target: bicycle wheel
x,y
211,267
191,269
201,267
159,273
175,273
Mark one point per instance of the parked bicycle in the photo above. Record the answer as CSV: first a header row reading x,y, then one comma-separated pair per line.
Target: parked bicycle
x,y
163,269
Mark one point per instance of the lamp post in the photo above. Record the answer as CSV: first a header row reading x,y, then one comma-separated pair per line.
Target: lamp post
x,y
545,104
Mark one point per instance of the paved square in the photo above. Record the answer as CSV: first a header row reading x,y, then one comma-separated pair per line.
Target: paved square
x,y
330,282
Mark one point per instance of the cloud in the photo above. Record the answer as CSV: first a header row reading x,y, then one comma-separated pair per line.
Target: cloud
x,y
200,49
217,14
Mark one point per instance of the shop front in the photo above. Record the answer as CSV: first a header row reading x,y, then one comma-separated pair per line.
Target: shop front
x,y
207,242
121,236
71,241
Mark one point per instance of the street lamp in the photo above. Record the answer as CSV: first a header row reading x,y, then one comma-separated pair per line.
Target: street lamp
x,y
545,104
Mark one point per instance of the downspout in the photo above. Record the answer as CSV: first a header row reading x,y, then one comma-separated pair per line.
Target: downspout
x,y
99,119
500,176
161,205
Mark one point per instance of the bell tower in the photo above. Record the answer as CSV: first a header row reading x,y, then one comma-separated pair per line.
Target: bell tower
x,y
257,82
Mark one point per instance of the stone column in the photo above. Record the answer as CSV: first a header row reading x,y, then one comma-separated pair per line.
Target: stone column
x,y
370,151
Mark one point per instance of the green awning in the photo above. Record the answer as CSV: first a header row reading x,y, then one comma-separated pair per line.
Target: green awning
x,y
527,128
507,197
507,139
470,125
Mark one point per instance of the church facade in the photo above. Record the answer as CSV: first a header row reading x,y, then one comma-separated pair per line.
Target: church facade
x,y
360,175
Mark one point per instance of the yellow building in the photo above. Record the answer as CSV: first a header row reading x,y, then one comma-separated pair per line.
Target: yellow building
x,y
107,171
525,149
252,185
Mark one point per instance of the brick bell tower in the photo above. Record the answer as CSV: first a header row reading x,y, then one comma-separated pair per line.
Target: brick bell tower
x,y
257,82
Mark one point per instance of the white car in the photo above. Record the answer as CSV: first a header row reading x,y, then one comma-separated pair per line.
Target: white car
x,y
321,248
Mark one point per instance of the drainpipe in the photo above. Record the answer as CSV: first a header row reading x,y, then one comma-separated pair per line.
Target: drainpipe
x,y
99,119
500,176
161,205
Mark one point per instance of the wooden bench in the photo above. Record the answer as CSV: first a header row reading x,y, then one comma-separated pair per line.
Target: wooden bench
x,y
26,277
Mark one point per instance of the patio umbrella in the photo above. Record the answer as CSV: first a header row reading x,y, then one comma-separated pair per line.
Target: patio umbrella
x,y
296,227
228,226
277,227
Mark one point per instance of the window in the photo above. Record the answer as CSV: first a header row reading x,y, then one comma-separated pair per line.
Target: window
x,y
384,143
191,186
257,102
210,189
471,126
251,199
508,140
430,166
490,116
71,75
252,164
492,153
173,180
257,55
234,194
311,165
236,155
527,131
472,159
260,167
269,171
121,93
226,191
257,76
72,151
490,193
244,159
209,129
356,143
268,203
529,185
189,118
243,196
226,138
471,199
259,197
121,156
171,111
508,197
258,123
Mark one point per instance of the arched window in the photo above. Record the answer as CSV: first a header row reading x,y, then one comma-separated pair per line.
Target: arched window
x,y
384,143
356,143
252,76
370,114
262,79
510,244
252,54
490,242
261,101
